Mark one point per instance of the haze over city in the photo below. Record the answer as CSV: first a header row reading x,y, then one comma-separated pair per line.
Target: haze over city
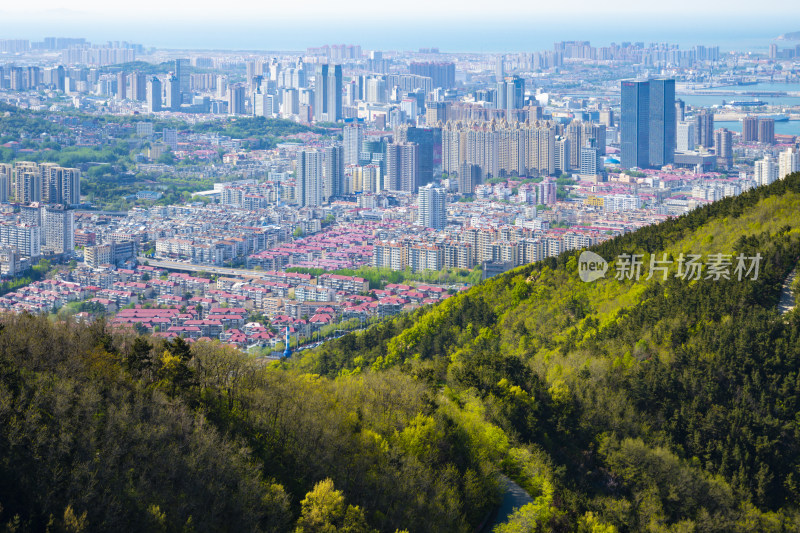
x,y
471,26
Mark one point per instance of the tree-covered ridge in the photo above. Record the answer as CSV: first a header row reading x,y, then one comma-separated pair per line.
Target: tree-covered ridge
x,y
254,127
669,405
105,431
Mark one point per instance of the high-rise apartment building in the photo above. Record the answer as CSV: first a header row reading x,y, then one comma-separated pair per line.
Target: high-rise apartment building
x,y
172,92
30,182
704,129
500,149
573,132
376,90
154,95
332,172
27,182
353,137
309,178
648,123
60,185
25,238
6,174
469,177
766,171
427,139
788,162
58,225
680,110
328,93
595,134
579,135
563,154
138,86
685,133
122,85
750,129
591,160
723,147
402,167
511,95
432,207
546,192
236,94
766,130
9,261
263,104
435,112
606,118
442,74
367,178
290,104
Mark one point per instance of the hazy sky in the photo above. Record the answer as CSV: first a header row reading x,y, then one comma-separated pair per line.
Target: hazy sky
x,y
207,10
476,24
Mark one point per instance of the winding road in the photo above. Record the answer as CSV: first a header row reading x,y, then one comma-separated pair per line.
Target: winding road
x,y
787,301
514,497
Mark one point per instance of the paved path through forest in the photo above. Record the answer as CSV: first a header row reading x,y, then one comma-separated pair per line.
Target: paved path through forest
x,y
514,497
787,301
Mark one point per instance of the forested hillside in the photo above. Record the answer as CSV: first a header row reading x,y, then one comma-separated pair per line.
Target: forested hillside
x,y
651,405
618,405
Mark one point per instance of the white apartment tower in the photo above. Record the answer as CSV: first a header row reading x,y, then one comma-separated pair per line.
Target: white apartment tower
x,y
788,162
432,211
59,230
766,171
353,137
685,135
309,180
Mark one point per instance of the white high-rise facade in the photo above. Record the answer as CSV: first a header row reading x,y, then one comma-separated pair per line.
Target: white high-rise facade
x,y
309,181
432,206
766,171
788,162
24,237
562,157
263,104
59,230
686,141
353,137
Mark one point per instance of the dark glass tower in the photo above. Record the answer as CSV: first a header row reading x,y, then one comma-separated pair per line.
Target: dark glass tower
x,y
662,122
648,123
425,138
635,107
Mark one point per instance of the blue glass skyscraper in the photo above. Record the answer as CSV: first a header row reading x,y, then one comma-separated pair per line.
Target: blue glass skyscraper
x,y
662,122
648,123
635,107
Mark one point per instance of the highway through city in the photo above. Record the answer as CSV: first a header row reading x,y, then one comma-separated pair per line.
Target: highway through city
x,y
188,267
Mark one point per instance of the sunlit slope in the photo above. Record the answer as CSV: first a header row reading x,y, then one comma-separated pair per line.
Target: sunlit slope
x,y
668,401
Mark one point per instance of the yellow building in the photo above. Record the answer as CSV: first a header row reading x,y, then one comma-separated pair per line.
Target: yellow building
x,y
595,201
